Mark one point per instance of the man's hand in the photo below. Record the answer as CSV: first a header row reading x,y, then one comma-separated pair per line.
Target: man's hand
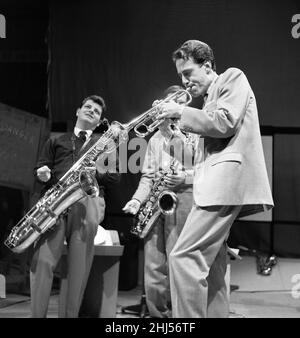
x,y
91,168
171,110
43,173
132,207
173,180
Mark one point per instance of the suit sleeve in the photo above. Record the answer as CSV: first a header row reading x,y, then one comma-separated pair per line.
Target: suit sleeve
x,y
108,172
148,174
46,158
220,118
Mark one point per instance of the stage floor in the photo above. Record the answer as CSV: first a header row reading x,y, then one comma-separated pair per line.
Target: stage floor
x,y
255,296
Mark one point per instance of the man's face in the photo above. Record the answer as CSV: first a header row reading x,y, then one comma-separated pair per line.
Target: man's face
x,y
90,114
194,76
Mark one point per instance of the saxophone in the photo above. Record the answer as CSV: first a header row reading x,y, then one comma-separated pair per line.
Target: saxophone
x,y
159,201
76,183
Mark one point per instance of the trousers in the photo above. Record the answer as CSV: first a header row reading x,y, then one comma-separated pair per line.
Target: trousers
x,y
198,263
78,229
157,247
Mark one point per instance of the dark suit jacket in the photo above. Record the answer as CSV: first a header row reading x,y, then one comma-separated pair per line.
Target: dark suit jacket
x,y
61,152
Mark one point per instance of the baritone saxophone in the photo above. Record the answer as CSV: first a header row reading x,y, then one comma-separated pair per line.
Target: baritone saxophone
x,y
159,201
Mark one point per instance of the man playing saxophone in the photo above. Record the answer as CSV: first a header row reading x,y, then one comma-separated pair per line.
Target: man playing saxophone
x,y
163,235
79,226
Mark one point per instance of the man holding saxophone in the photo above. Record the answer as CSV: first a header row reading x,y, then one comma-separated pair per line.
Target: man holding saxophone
x,y
79,226
159,242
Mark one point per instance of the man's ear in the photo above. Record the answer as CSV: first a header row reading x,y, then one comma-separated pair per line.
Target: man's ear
x,y
77,111
208,67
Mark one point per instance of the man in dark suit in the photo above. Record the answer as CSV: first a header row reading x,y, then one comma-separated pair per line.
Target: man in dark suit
x,y
79,226
230,178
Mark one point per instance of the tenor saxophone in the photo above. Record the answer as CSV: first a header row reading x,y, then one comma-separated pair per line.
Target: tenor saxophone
x,y
76,183
159,201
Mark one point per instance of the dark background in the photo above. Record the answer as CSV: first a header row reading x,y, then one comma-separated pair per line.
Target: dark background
x,y
57,52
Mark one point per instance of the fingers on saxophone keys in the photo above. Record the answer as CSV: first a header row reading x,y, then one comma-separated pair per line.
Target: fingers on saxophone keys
x,y
91,168
168,183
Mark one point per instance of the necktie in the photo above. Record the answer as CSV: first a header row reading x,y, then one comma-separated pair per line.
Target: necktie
x,y
82,135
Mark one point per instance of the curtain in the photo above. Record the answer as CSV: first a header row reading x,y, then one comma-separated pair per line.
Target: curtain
x,y
122,50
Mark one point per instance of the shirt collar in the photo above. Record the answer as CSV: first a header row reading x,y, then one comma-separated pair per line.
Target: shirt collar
x,y
211,85
78,130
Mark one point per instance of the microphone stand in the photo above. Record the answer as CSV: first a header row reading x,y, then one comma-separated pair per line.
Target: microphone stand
x,y
140,309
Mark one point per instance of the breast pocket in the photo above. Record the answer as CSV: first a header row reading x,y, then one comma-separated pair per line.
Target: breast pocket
x,y
227,157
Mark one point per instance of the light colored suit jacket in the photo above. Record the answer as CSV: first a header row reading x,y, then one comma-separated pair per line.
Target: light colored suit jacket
x,y
231,169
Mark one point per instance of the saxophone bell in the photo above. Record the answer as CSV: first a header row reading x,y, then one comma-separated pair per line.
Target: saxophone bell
x,y
167,202
159,201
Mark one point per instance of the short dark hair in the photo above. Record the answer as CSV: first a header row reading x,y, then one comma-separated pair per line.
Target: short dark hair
x,y
198,50
97,99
